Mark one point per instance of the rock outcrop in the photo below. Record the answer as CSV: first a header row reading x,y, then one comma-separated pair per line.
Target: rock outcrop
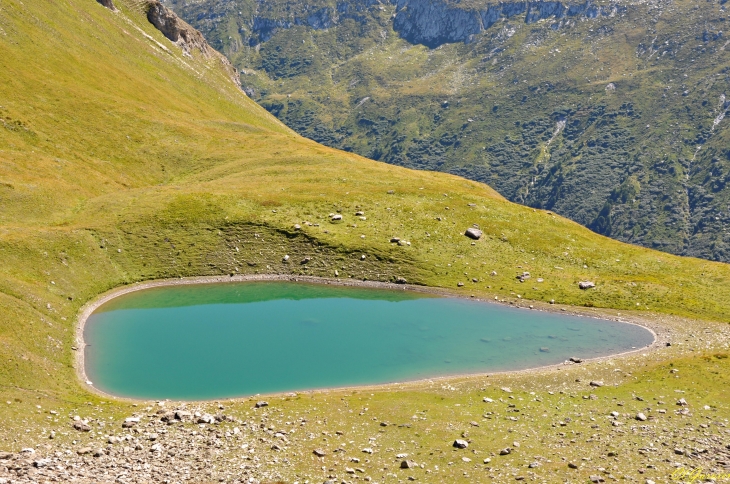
x,y
185,36
108,4
433,23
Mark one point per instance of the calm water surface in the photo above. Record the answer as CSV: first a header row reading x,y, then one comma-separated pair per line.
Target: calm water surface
x,y
222,340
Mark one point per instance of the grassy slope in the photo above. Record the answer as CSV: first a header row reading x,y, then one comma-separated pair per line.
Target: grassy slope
x,y
121,162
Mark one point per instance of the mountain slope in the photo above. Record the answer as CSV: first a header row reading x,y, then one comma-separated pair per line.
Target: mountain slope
x,y
125,157
609,113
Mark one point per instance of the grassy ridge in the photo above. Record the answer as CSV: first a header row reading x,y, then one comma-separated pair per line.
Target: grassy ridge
x,y
121,161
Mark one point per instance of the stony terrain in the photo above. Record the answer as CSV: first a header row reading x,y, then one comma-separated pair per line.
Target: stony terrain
x,y
610,113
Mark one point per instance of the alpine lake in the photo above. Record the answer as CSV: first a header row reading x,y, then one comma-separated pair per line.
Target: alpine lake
x,y
211,341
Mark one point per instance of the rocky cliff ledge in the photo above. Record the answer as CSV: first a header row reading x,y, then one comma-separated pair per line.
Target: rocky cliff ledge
x,y
185,36
433,23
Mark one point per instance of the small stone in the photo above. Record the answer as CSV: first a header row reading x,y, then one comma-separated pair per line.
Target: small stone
x,y
473,233
576,360
506,389
400,280
261,404
682,402
286,258
586,284
407,464
641,417
487,400
84,451
368,450
98,453
460,284
596,383
297,227
461,444
572,466
466,459
41,463
487,460
319,452
394,240
156,448
336,217
533,465
362,257
505,451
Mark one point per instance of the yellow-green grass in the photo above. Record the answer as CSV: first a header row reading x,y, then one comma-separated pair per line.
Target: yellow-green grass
x,y
122,162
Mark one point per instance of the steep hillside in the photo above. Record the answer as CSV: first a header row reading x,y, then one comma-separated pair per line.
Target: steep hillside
x,y
127,153
609,113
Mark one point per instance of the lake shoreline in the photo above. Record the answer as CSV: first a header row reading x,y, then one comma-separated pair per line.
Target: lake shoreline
x,y
657,330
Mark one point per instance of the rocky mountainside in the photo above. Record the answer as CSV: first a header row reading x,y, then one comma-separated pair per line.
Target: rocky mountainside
x,y
607,112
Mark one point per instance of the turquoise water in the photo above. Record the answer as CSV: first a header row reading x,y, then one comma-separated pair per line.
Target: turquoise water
x,y
223,340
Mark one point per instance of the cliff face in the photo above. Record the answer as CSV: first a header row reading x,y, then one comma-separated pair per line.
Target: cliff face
x,y
185,36
428,22
436,23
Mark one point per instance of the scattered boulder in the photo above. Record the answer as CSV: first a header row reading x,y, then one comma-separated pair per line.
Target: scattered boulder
x,y
306,260
473,233
586,284
82,426
682,402
286,258
596,383
641,417
407,464
505,451
575,360
400,280
182,415
461,444
319,452
394,240
297,227
84,451
572,465
523,277
261,404
335,217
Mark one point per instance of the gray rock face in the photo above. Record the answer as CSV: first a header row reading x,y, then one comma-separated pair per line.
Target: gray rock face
x,y
184,35
433,23
108,4
428,22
